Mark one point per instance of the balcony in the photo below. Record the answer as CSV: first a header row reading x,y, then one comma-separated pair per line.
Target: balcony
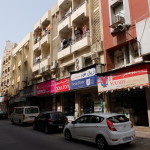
x,y
65,52
64,3
36,46
36,67
81,44
80,12
45,62
45,40
46,17
64,24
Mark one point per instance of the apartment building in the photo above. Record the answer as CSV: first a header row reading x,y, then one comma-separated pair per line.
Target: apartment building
x,y
67,42
21,86
6,72
126,44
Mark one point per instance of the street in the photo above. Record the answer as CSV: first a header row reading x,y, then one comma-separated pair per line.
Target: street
x,y
16,137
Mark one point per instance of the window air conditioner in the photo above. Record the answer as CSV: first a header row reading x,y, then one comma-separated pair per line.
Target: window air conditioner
x,y
119,18
94,56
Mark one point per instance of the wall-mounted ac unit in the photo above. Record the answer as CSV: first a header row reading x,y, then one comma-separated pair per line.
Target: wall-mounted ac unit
x,y
94,56
119,19
53,65
79,63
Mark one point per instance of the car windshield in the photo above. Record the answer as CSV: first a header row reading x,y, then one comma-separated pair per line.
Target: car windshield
x,y
31,110
57,115
118,119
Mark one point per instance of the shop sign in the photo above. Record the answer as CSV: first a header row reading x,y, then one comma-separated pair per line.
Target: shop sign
x,y
83,79
62,85
45,88
136,76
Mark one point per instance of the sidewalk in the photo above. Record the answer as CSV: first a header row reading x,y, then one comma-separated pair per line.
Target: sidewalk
x,y
142,132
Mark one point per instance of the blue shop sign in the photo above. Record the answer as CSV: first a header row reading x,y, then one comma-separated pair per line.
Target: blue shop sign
x,y
83,79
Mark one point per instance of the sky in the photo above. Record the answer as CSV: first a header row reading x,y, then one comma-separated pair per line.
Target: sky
x,y
17,18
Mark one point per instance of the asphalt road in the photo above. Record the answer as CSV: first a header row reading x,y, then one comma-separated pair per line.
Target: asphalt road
x,y
14,137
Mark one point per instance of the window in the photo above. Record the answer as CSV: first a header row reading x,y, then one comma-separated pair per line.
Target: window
x,y
135,49
95,119
119,58
118,119
31,110
19,111
82,119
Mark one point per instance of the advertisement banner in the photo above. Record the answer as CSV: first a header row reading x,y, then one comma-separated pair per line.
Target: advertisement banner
x,y
83,79
62,85
47,87
136,76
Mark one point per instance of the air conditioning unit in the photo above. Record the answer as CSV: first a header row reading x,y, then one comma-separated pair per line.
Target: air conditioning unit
x,y
94,56
62,69
53,65
119,19
79,63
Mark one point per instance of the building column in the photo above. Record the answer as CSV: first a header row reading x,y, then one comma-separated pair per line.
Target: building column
x,y
148,103
106,103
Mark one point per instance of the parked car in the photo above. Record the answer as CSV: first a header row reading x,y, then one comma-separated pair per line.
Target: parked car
x,y
50,121
3,115
101,128
26,114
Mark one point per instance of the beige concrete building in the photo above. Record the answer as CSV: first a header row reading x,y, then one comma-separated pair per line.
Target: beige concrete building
x,y
21,71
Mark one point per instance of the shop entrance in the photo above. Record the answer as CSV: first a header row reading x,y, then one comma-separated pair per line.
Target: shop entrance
x,y
132,103
69,103
86,104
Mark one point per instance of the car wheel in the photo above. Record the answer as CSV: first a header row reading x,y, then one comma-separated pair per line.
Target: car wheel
x,y
68,135
46,129
101,142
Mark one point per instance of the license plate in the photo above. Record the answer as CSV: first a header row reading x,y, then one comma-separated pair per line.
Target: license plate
x,y
60,127
127,138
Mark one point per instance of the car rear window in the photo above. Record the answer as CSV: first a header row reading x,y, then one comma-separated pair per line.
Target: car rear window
x,y
57,115
31,110
118,119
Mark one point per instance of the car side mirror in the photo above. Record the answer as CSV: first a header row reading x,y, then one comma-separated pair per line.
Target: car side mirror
x,y
73,122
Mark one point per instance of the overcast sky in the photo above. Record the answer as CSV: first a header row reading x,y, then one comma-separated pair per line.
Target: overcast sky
x,y
17,18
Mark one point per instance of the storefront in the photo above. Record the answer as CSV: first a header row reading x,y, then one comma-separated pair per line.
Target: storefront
x,y
44,95
65,99
127,89
84,83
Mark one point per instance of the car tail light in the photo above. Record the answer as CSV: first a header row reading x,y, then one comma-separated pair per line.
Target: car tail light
x,y
111,125
49,120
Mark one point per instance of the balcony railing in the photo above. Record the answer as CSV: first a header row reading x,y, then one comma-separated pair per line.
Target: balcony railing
x,y
65,52
82,9
81,43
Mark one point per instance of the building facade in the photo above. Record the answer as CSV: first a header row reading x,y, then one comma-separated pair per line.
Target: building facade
x,y
126,83
6,73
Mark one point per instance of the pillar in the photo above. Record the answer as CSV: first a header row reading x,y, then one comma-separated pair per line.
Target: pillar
x,y
106,103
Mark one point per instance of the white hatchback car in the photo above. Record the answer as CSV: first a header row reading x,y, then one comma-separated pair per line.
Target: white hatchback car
x,y
101,128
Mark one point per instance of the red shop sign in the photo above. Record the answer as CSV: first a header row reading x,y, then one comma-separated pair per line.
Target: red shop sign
x,y
62,85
